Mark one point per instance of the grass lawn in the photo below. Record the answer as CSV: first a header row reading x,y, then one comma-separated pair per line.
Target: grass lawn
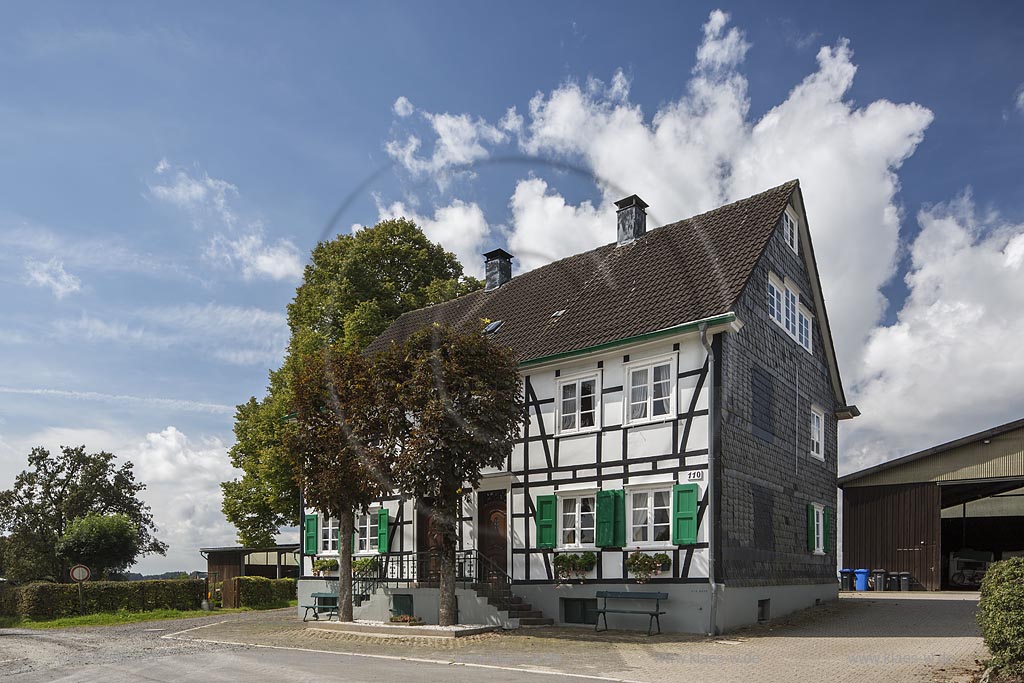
x,y
115,618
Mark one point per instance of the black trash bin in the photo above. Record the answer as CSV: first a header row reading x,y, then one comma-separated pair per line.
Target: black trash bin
x,y
846,579
878,576
892,582
904,581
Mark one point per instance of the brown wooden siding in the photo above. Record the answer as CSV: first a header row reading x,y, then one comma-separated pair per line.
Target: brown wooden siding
x,y
222,568
896,528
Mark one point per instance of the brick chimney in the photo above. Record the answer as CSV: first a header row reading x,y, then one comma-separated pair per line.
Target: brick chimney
x,y
498,268
632,219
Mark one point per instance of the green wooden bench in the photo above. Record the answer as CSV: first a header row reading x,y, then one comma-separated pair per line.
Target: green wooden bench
x,y
654,614
321,603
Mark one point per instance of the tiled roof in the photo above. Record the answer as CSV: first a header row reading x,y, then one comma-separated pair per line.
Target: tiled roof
x,y
678,273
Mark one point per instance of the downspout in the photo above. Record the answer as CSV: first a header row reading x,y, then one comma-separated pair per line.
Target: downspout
x,y
712,622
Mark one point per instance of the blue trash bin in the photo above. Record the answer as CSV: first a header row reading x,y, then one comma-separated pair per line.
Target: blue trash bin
x,y
862,578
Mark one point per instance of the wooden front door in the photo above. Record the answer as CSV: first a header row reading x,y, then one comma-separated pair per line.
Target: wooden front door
x,y
428,541
492,523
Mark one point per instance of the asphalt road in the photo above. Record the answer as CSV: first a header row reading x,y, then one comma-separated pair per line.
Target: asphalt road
x,y
141,652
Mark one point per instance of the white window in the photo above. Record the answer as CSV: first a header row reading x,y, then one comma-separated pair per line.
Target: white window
x,y
819,530
789,231
803,328
650,517
578,404
785,309
651,391
366,533
775,307
577,521
817,433
329,535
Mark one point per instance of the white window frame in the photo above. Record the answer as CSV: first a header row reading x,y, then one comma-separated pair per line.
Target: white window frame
x,y
577,495
804,327
786,311
578,379
627,389
819,529
366,545
791,231
649,489
817,446
329,524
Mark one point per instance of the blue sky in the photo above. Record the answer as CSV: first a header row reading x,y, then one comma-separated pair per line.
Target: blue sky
x,y
165,170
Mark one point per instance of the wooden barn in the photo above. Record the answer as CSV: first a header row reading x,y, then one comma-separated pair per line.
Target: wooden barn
x,y
224,564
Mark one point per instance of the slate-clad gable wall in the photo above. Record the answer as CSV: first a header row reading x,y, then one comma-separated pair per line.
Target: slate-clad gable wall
x,y
767,475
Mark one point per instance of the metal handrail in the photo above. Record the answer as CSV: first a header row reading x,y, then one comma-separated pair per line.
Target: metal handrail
x,y
471,567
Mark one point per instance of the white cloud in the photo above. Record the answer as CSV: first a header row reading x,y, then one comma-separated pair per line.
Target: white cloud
x,y
164,403
237,244
256,256
1019,99
403,107
237,335
947,367
183,478
459,227
51,274
460,140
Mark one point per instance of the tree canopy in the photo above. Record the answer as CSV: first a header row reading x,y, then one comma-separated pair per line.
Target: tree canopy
x,y
107,544
58,489
458,408
353,287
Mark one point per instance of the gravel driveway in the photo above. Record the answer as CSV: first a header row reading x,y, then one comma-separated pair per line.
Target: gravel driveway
x,y
891,637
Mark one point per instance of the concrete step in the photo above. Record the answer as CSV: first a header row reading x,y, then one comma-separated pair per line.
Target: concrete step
x,y
525,614
536,621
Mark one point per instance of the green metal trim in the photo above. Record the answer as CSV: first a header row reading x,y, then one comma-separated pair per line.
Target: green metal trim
x,y
720,319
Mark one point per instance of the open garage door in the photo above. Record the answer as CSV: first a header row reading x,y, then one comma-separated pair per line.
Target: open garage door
x,y
982,522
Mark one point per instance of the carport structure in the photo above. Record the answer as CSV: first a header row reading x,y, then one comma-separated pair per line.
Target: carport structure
x,y
224,564
941,514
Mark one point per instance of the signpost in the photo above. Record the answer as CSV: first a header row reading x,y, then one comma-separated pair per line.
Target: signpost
x,y
80,573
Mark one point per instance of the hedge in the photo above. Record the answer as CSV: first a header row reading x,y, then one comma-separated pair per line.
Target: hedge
x,y
260,593
55,600
1001,614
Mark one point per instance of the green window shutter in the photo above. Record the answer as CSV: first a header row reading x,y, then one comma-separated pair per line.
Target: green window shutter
x,y
826,532
810,528
605,519
547,507
684,514
620,519
310,530
382,530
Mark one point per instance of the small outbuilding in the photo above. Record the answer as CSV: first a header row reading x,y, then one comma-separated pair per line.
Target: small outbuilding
x,y
224,564
943,514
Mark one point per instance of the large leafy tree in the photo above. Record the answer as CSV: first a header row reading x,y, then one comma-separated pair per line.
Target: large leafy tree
x,y
107,544
353,287
458,408
341,446
54,491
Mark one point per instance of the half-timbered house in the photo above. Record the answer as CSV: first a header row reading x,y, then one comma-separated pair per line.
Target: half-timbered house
x,y
683,398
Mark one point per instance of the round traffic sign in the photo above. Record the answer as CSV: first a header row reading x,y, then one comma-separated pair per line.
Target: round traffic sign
x,y
80,573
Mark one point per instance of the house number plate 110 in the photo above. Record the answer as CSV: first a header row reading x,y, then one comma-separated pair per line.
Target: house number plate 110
x,y
695,475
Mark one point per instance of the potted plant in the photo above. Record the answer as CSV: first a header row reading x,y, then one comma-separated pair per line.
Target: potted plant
x,y
364,565
323,565
643,566
569,565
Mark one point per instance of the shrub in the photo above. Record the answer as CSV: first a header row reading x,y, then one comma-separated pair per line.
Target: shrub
x,y
8,600
1001,614
54,600
261,593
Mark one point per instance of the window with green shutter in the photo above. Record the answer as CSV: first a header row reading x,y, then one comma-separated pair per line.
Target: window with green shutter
x,y
310,532
382,530
547,508
611,519
810,528
685,498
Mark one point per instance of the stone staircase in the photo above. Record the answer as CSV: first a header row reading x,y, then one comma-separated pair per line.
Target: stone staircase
x,y
501,597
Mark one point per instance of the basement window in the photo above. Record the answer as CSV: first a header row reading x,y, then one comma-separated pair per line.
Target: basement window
x,y
579,611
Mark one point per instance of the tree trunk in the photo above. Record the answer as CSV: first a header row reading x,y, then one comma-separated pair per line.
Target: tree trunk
x,y
346,528
446,610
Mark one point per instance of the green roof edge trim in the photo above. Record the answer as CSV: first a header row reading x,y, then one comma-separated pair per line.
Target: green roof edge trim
x,y
720,319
